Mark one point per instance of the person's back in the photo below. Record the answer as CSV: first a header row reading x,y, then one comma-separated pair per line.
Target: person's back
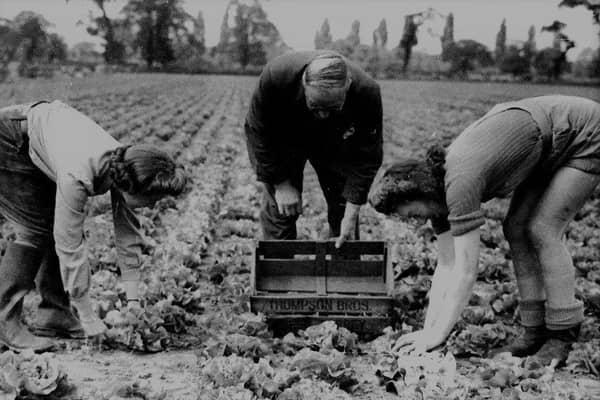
x,y
69,142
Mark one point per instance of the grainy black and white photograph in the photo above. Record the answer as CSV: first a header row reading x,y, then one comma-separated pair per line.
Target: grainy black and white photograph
x,y
299,199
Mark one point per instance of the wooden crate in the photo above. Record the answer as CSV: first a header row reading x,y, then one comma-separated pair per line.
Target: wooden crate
x,y
300,283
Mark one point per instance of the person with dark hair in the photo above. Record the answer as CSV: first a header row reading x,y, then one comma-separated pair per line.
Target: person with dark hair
x,y
546,151
320,107
53,159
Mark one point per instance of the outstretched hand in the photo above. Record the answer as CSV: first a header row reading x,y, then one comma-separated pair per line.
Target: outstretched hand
x,y
417,343
288,199
348,226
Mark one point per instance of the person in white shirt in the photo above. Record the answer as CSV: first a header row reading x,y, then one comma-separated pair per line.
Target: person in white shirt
x,y
52,159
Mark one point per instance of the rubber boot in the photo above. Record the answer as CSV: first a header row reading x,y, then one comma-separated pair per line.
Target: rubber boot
x,y
526,344
54,316
557,347
18,269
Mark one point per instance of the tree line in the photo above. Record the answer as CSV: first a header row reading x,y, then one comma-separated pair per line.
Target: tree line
x,y
162,35
520,59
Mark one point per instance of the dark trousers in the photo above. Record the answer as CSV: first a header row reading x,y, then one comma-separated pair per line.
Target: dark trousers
x,y
275,226
27,195
27,198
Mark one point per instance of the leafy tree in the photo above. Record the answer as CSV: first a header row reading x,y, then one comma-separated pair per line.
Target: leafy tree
x,y
323,39
190,46
199,33
376,56
594,70
529,47
57,48
247,36
103,26
551,62
514,61
380,35
409,37
248,51
592,5
353,38
556,28
500,43
10,40
467,55
161,24
447,38
348,45
34,38
586,63
84,52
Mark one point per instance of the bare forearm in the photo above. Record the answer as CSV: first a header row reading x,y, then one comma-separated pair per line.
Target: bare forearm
x,y
459,287
351,210
437,295
443,271
459,282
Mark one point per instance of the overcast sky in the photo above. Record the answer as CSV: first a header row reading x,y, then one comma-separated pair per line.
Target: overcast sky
x,y
298,20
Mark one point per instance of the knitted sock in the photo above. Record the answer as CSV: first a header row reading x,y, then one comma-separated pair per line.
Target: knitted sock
x,y
532,313
560,318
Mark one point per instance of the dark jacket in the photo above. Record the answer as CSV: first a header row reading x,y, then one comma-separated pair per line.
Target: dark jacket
x,y
282,133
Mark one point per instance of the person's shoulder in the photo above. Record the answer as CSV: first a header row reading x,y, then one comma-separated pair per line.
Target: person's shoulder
x,y
551,99
559,104
362,82
288,65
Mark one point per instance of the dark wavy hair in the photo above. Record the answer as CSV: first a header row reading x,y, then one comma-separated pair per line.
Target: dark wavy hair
x,y
411,180
143,169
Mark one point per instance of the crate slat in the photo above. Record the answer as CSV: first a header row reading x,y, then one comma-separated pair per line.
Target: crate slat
x,y
289,248
278,267
358,247
299,283
353,284
281,267
355,268
284,248
321,268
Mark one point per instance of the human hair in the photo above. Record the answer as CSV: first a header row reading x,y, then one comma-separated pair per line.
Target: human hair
x,y
411,180
327,70
143,169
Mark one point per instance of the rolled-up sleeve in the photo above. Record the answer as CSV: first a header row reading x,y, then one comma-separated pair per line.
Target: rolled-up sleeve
x,y
128,238
71,249
368,155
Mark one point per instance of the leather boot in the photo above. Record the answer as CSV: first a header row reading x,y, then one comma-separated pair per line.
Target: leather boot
x,y
526,344
18,269
54,316
557,347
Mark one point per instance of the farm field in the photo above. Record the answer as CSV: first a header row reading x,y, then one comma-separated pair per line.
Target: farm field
x,y
196,338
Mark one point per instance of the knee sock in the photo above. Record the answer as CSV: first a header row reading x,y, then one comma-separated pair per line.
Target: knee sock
x,y
564,317
532,313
